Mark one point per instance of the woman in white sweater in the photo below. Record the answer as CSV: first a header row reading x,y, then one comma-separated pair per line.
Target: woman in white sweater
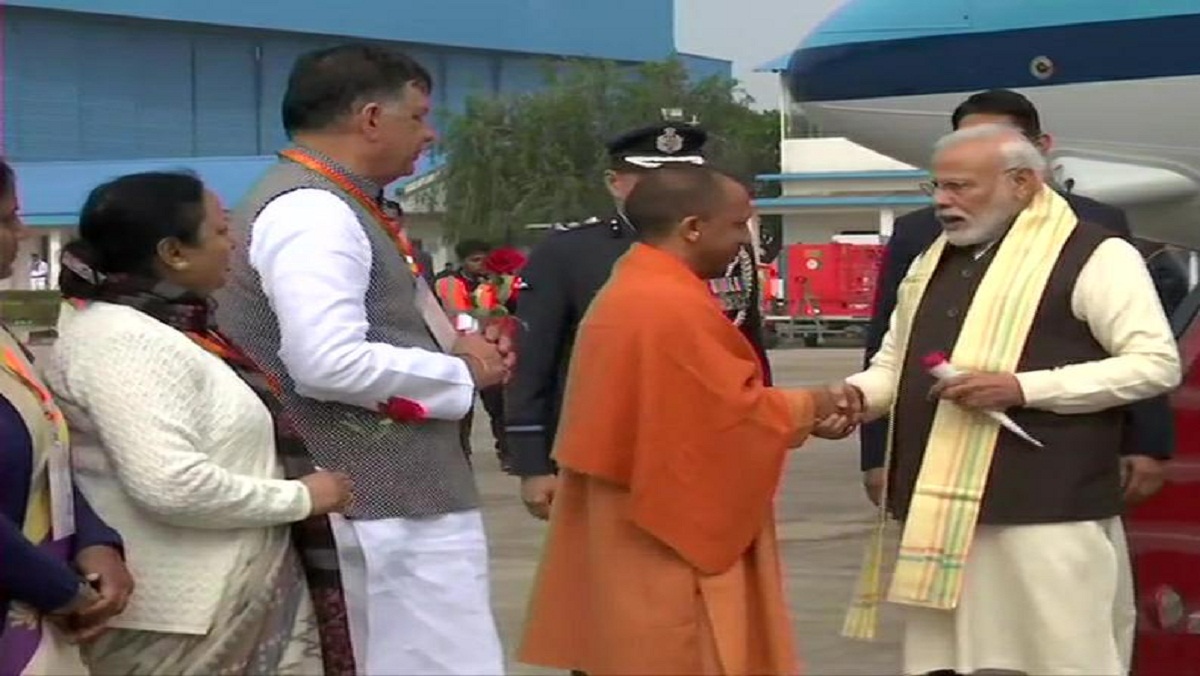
x,y
186,461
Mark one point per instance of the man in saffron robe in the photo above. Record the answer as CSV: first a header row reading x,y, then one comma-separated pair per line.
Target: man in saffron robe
x,y
661,556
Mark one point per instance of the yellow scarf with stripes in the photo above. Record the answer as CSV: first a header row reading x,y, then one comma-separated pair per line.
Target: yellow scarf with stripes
x,y
958,454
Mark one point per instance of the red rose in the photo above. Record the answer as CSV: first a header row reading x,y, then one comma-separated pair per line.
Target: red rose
x,y
934,360
506,260
403,410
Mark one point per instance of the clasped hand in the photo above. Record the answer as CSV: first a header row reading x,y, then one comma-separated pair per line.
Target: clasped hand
x,y
490,356
88,616
843,412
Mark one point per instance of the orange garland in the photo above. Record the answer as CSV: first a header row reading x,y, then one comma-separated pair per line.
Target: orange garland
x,y
220,346
17,368
390,225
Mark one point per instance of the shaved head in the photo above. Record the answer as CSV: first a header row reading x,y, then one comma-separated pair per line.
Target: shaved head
x,y
696,212
664,197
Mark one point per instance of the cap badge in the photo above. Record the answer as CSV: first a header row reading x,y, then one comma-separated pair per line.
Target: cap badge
x,y
669,142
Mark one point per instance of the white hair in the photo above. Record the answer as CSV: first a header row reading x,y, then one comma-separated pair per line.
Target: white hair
x,y
1017,150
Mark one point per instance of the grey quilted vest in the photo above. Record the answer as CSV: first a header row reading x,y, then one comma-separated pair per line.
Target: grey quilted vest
x,y
399,470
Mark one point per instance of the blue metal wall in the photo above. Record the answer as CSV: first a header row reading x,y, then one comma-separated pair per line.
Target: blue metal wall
x,y
701,67
623,30
88,87
87,96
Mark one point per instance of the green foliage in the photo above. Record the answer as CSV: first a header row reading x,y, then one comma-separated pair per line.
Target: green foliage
x,y
539,157
30,309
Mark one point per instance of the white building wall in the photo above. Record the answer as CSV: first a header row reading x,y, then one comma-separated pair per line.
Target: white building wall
x,y
47,242
814,226
820,226
827,155
838,168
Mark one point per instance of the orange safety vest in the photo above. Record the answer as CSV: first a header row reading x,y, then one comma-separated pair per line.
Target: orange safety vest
x,y
453,292
487,296
456,297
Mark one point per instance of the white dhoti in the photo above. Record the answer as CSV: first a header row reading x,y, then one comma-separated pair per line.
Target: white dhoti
x,y
418,597
1044,600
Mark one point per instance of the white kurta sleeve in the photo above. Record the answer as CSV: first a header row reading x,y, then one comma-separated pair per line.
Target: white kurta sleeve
x,y
314,261
1115,295
142,395
879,382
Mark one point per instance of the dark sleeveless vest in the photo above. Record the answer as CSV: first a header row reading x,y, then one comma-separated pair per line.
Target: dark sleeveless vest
x,y
1076,477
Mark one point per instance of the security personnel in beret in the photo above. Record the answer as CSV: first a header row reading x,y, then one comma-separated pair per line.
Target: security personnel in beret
x,y
562,275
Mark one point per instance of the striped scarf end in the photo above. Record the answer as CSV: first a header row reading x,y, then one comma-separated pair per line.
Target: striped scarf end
x,y
940,602
866,600
939,589
861,623
932,557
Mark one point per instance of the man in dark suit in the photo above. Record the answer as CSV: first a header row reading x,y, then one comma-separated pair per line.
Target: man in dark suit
x,y
1150,433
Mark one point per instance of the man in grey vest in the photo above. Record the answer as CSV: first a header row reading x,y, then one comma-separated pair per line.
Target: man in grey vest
x,y
326,293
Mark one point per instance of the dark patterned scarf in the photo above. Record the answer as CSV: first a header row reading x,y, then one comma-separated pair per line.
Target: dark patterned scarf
x,y
313,537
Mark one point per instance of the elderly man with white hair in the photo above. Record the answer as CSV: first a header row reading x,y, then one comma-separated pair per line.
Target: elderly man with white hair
x,y
1011,557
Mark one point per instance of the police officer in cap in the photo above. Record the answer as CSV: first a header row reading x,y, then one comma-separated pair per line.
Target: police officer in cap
x,y
563,274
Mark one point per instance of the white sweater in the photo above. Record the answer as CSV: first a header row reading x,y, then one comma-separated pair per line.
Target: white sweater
x,y
175,452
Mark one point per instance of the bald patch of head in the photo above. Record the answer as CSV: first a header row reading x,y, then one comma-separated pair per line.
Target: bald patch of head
x,y
665,197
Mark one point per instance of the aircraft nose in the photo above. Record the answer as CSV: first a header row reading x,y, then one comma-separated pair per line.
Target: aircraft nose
x,y
816,74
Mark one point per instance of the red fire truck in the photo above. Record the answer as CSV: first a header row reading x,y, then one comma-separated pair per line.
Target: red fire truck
x,y
819,292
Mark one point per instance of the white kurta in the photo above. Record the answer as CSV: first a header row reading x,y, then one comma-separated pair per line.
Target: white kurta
x,y
1052,599
417,590
1044,599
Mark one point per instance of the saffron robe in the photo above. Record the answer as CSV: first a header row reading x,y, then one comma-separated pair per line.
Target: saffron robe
x,y
661,556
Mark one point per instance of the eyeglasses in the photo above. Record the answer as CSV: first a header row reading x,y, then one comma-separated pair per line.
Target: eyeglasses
x,y
956,187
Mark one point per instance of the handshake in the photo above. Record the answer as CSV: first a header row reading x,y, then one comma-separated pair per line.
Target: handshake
x,y
838,410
